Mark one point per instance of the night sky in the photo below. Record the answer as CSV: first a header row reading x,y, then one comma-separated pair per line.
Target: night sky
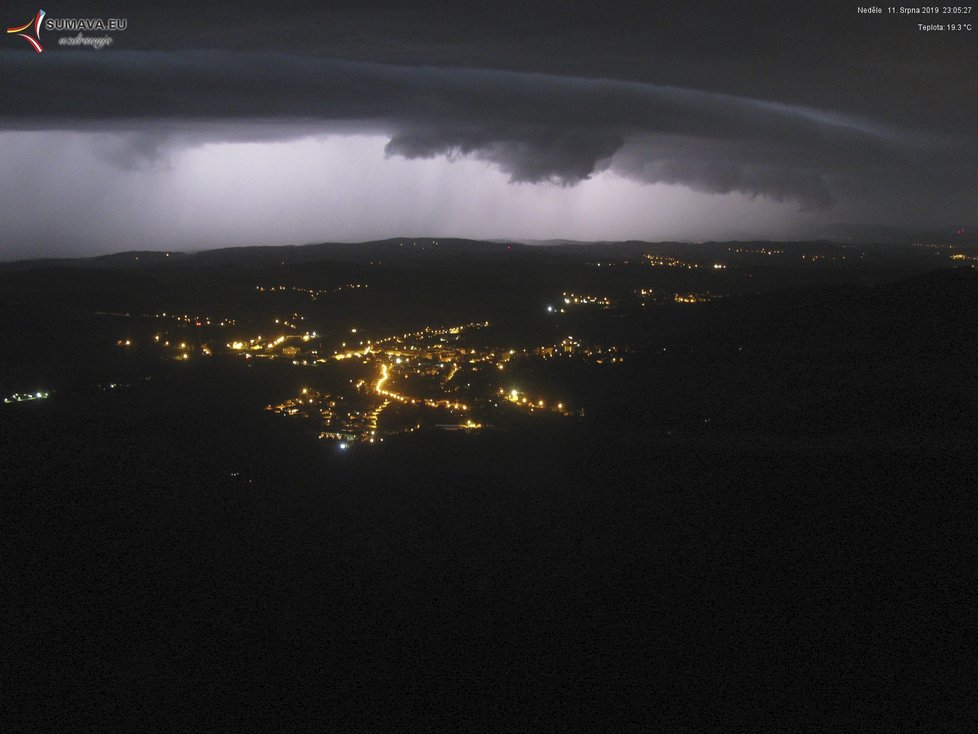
x,y
217,124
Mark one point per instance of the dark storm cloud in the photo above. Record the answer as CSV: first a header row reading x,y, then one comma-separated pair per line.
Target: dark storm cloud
x,y
535,127
810,103
133,150
557,154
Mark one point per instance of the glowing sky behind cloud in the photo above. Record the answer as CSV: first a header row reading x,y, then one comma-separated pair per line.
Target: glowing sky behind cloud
x,y
351,121
329,188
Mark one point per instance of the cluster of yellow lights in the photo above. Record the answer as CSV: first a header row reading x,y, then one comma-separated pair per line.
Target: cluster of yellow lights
x,y
646,293
313,293
754,251
182,348
373,416
293,324
354,427
362,427
21,397
193,319
259,343
824,258
385,375
661,261
354,353
518,398
576,299
571,347
396,358
429,331
692,297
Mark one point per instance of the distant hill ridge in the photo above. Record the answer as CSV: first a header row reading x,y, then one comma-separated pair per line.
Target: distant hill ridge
x,y
422,248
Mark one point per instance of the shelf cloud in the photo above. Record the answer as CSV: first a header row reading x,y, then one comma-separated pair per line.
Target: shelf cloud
x,y
737,129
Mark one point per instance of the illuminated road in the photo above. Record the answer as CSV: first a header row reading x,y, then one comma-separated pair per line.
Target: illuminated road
x,y
430,402
379,387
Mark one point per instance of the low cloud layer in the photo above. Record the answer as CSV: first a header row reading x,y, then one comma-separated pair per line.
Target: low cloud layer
x,y
534,127
74,199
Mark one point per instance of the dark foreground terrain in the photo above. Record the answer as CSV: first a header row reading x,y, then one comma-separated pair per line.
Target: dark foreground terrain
x,y
764,520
